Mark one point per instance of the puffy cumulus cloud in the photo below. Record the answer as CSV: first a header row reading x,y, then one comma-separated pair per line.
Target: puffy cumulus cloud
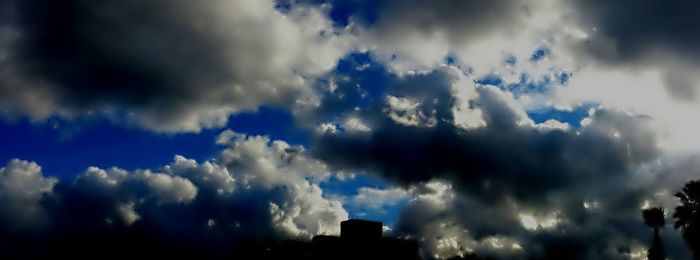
x,y
506,185
377,198
166,65
22,187
418,100
535,44
369,202
161,187
420,34
613,88
481,35
597,52
286,172
544,185
214,178
622,50
612,143
120,192
422,39
518,188
536,38
425,210
447,222
256,189
406,112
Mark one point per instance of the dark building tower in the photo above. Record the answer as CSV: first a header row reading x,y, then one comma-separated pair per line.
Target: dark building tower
x,y
358,240
360,229
362,239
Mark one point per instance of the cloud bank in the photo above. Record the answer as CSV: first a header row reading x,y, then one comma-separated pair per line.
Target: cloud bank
x,y
165,65
255,189
485,177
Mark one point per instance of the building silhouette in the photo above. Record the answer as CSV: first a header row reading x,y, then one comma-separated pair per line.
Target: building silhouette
x,y
359,239
362,239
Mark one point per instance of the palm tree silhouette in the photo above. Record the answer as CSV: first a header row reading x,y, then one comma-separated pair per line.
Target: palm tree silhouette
x,y
654,218
688,215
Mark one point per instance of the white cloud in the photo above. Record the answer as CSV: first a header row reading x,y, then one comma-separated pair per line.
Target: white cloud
x,y
255,187
184,67
435,216
354,124
256,163
205,175
376,200
407,112
123,192
22,186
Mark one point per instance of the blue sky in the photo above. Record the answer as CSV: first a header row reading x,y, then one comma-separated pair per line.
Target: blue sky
x,y
67,148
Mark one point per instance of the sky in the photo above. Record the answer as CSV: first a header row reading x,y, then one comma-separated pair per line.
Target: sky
x,y
517,129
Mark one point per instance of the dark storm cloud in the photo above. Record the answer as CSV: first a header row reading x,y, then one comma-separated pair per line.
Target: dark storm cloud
x,y
627,31
424,15
255,190
496,171
449,222
503,157
654,33
171,65
607,226
459,19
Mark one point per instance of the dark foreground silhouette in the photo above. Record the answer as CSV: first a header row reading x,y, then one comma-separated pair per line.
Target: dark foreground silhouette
x,y
687,216
655,219
359,239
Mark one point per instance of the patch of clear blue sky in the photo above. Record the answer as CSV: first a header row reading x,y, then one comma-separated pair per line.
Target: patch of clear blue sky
x,y
364,12
572,117
388,214
539,53
371,76
66,148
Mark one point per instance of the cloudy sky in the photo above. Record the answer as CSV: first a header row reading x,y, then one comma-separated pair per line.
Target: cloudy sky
x,y
511,128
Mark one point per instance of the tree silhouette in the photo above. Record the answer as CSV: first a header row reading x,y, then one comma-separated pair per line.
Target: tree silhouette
x,y
688,215
654,218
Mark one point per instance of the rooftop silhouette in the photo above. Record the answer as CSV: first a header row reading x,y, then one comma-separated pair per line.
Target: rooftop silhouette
x,y
359,239
362,239
361,229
